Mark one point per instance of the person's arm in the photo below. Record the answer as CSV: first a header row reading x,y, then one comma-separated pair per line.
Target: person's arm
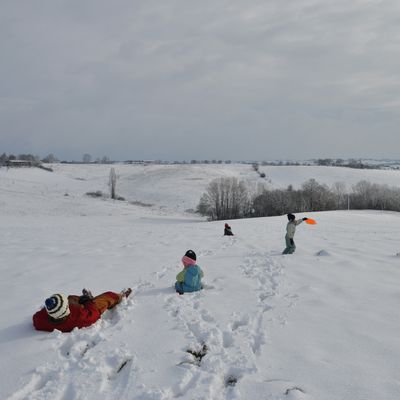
x,y
181,276
88,315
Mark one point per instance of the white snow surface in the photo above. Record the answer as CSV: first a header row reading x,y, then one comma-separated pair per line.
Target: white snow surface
x,y
320,324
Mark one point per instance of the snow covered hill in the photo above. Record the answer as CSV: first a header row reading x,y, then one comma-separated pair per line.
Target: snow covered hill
x,y
178,188
321,324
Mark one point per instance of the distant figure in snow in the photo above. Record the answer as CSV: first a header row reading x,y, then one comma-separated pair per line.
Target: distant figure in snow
x,y
290,231
228,230
66,313
189,279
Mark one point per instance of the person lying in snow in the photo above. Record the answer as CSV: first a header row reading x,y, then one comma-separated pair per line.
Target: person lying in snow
x,y
66,313
290,231
189,280
228,230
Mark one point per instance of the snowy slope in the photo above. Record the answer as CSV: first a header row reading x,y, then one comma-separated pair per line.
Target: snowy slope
x,y
177,188
282,176
320,324
168,188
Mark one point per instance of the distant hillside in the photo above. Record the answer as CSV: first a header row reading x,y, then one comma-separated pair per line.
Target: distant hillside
x,y
179,187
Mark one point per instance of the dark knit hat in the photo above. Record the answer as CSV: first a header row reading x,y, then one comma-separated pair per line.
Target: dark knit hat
x,y
57,306
291,217
191,254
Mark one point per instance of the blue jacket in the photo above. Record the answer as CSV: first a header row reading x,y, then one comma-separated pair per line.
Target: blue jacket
x,y
191,281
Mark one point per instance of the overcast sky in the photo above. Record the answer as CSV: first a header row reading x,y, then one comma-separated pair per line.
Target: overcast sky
x,y
209,79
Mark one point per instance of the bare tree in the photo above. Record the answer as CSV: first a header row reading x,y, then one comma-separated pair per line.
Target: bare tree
x,y
339,191
87,158
50,159
225,198
113,182
316,197
3,159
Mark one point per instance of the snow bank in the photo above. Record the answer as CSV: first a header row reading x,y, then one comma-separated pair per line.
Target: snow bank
x,y
319,324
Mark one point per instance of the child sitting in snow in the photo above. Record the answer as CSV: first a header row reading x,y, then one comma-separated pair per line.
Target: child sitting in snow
x,y
228,230
189,280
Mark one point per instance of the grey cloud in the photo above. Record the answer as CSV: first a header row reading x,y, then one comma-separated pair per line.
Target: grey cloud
x,y
235,79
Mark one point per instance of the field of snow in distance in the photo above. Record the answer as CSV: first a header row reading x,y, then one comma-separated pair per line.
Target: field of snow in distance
x,y
321,324
178,188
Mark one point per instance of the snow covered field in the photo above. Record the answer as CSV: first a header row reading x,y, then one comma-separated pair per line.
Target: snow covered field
x,y
321,324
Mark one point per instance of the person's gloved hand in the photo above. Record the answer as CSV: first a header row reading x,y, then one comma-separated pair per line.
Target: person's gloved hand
x,y
86,296
84,299
86,292
305,219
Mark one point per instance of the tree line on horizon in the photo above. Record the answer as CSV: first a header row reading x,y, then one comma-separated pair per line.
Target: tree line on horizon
x,y
230,198
50,158
89,159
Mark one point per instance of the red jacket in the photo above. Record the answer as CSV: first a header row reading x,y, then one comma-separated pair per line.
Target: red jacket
x,y
79,317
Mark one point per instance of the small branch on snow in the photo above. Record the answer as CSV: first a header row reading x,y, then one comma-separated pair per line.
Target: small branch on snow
x,y
294,388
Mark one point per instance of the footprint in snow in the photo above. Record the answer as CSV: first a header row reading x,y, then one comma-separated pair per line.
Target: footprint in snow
x,y
241,321
227,339
207,317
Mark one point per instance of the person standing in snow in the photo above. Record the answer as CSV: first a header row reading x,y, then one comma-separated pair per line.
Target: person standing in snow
x,y
290,231
189,279
66,313
227,230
